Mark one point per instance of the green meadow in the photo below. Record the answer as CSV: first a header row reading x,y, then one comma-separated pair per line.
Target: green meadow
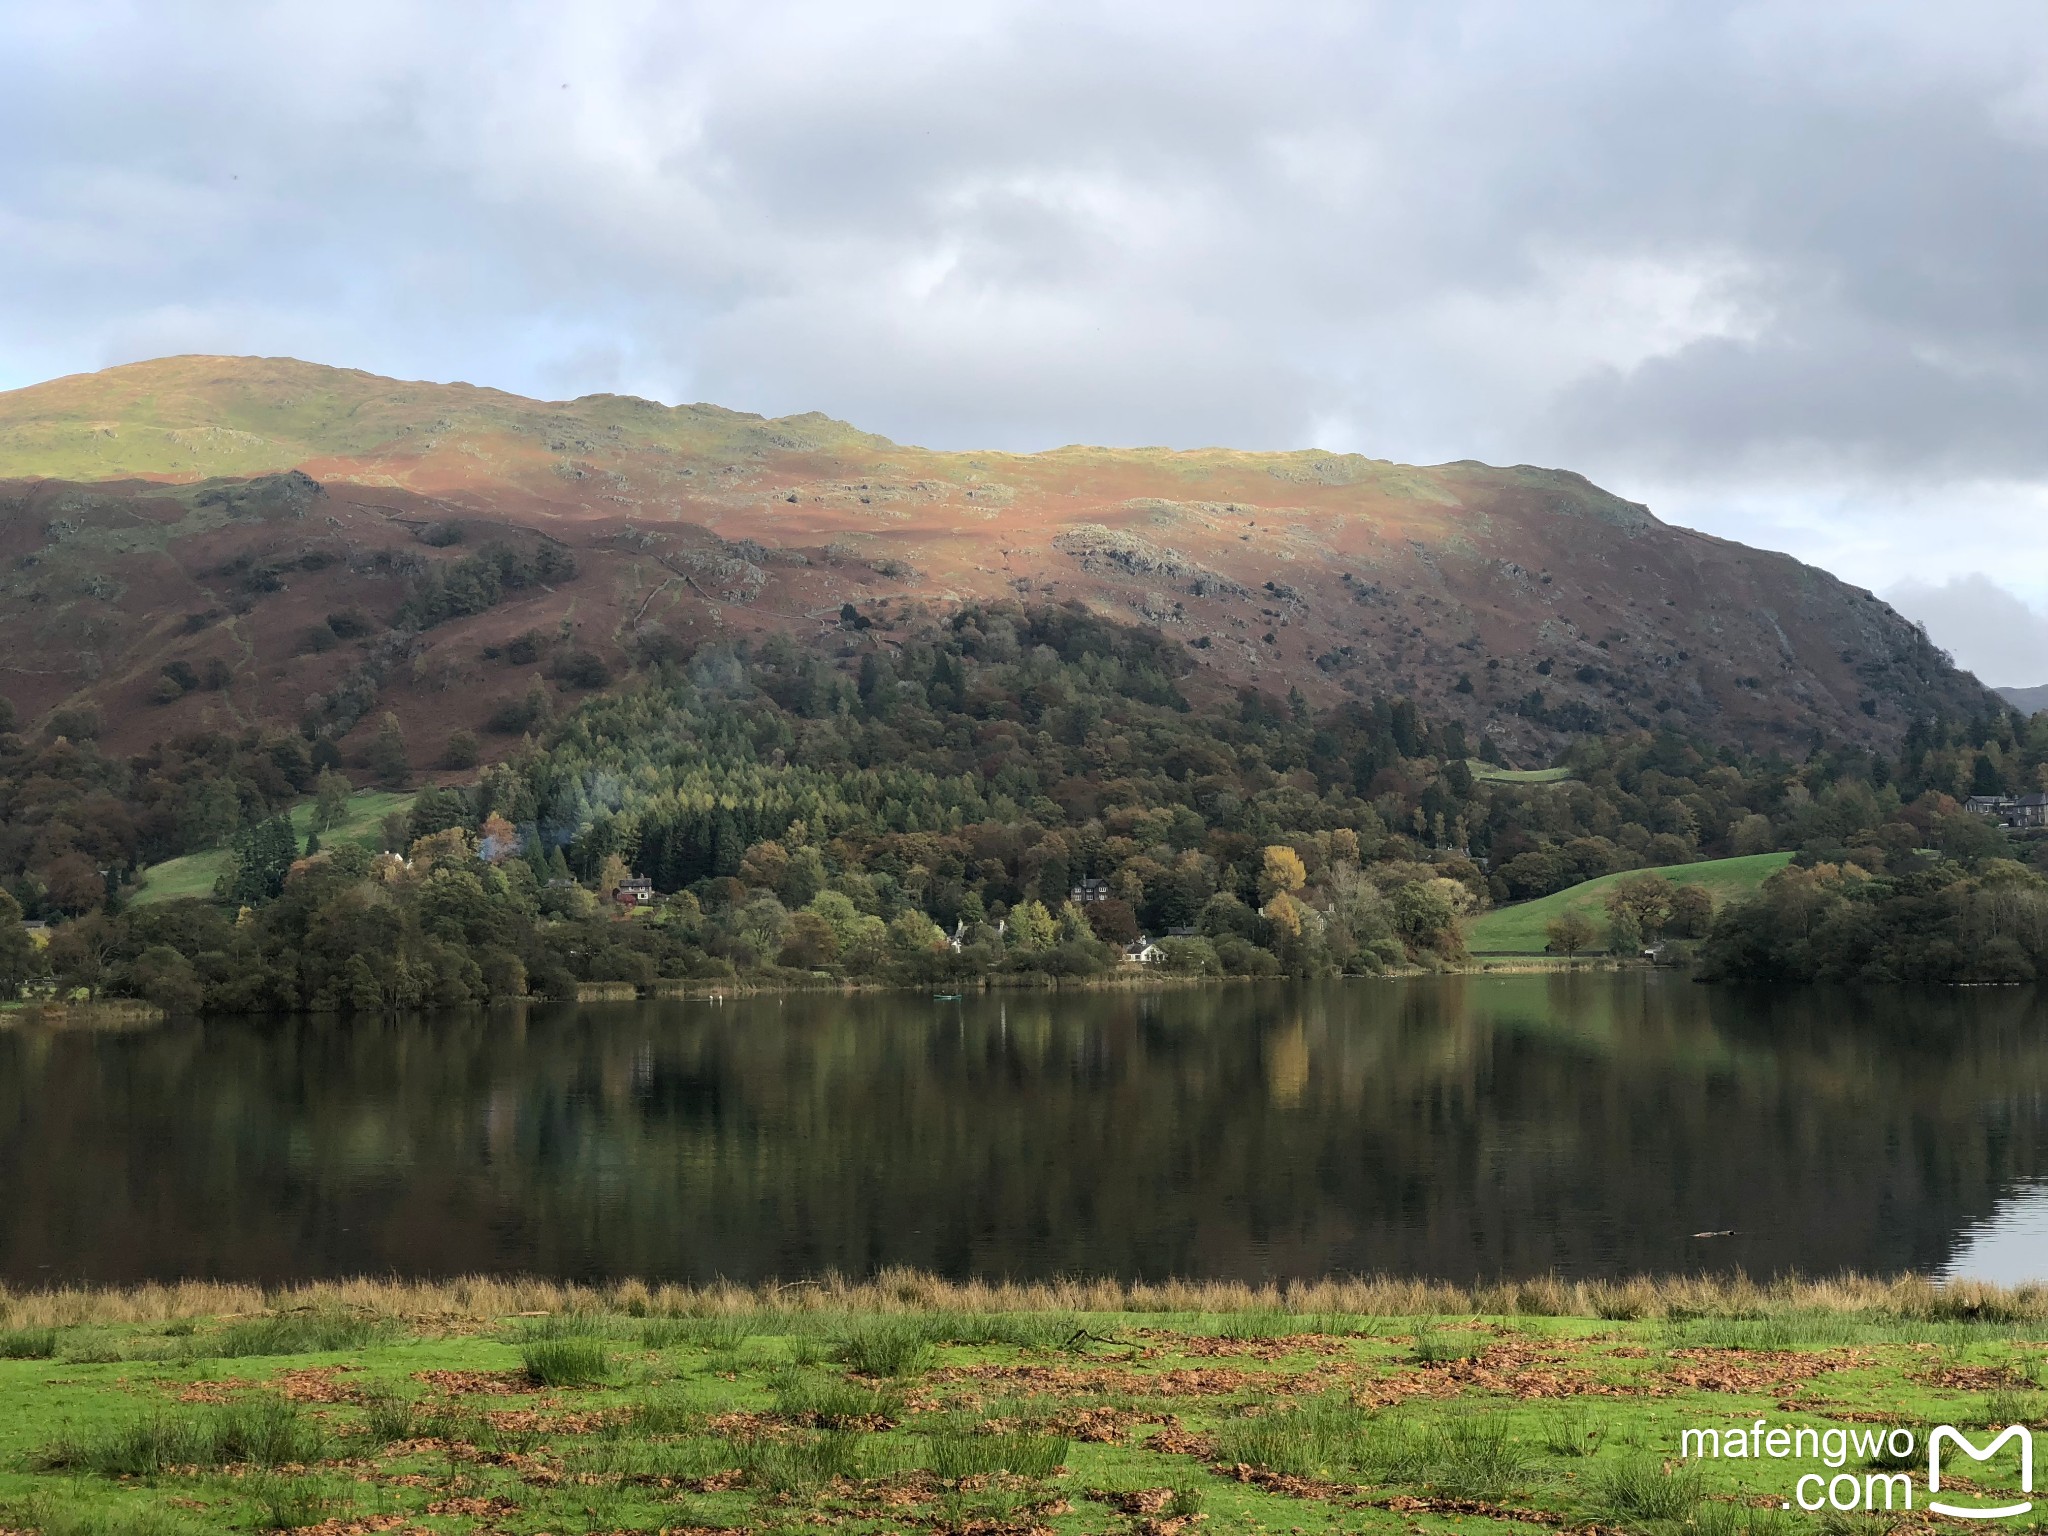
x,y
1493,773
1519,929
908,1405
193,874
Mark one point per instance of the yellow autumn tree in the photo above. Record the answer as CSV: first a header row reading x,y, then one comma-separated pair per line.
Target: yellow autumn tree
x,y
1281,870
1285,913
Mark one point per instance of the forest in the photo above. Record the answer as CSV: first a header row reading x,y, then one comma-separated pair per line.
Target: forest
x,y
999,794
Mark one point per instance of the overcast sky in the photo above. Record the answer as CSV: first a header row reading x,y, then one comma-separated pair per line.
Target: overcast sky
x,y
1779,270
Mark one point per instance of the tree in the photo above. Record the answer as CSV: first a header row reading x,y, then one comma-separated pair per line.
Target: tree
x,y
1692,912
19,958
1360,928
261,857
165,977
1284,913
611,874
1645,899
808,942
1112,921
386,756
1191,957
461,751
1031,928
1623,936
1752,834
449,848
912,933
330,800
1569,934
1280,870
802,878
72,882
80,954
497,840
1427,913
763,865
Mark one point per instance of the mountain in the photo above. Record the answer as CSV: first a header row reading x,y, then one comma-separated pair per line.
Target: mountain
x,y
2028,701
175,535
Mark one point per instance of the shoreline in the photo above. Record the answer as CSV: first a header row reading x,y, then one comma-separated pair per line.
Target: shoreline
x,y
483,1297
135,1013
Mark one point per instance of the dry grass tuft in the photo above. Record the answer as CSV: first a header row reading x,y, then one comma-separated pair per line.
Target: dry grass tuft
x,y
482,1299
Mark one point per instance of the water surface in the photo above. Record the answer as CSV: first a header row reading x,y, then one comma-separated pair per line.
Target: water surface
x,y
1460,1127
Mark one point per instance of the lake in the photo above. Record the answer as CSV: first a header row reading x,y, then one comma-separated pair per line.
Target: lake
x,y
1462,1127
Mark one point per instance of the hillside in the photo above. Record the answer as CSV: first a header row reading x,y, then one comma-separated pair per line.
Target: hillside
x,y
2028,701
175,535
1519,929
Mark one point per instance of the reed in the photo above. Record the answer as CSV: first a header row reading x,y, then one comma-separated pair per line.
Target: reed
x,y
725,1307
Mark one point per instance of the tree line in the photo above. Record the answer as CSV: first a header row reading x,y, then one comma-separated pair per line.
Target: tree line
x,y
913,798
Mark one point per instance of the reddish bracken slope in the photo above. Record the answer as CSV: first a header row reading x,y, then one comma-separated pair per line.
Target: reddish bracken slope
x,y
213,512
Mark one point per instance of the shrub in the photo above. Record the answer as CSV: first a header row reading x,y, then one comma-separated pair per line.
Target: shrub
x,y
953,1455
288,1333
263,1431
28,1344
1641,1489
291,1504
828,1402
1470,1458
1434,1348
461,751
568,1362
800,1464
583,669
351,624
891,1346
391,1416
1314,1439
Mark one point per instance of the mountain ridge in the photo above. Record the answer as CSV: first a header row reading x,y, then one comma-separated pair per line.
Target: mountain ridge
x,y
2028,701
147,518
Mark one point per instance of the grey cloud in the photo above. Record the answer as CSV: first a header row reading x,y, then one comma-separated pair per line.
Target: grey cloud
x,y
1985,627
1776,262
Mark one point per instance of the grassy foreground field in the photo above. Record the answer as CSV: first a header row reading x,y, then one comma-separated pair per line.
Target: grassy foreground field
x,y
1518,930
193,874
910,1405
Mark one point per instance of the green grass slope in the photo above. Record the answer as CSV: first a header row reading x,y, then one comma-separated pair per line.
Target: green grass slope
x,y
193,874
1491,773
1518,930
187,417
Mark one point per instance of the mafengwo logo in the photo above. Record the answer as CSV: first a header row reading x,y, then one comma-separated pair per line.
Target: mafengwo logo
x,y
1844,1491
1945,1434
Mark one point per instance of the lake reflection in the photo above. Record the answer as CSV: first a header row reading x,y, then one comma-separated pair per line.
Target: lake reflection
x,y
1458,1127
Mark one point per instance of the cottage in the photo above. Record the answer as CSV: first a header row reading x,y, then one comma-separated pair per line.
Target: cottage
x,y
1988,805
1143,951
2028,811
634,892
1089,891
